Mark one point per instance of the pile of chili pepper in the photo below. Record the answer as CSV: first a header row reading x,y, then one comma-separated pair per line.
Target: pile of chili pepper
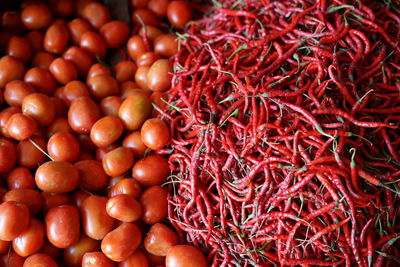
x,y
285,133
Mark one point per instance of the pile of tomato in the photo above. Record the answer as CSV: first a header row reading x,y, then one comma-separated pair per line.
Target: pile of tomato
x,y
83,156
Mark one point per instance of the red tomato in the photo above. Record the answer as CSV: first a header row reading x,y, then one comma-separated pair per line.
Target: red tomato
x,y
40,107
94,44
42,60
11,259
7,155
147,59
40,259
183,255
36,17
28,155
110,105
77,27
57,177
63,147
127,186
73,255
134,110
14,218
30,240
4,247
81,59
56,38
97,14
97,70
179,13
78,197
54,200
35,38
10,69
118,161
20,48
115,33
145,16
154,133
151,170
120,243
124,207
102,86
41,80
95,220
124,71
160,239
166,45
159,7
63,70
62,8
159,75
136,259
74,90
97,259
63,226
136,46
11,22
21,127
16,91
135,143
82,114
106,131
154,203
20,177
31,198
91,175
141,77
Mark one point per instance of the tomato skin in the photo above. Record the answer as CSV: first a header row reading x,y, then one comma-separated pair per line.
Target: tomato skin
x,y
147,59
54,200
145,16
95,220
179,13
78,197
97,14
4,247
8,155
110,105
124,208
97,69
160,75
124,71
21,127
31,198
118,161
40,259
56,38
20,48
154,133
136,47
40,107
73,255
154,204
151,170
91,175
184,255
62,8
57,177
136,259
28,155
63,70
106,131
159,7
20,177
115,33
42,60
30,240
16,91
14,218
127,186
63,226
135,143
102,86
82,114
10,69
41,80
36,17
82,60
35,38
63,147
160,239
11,22
94,44
166,45
97,259
11,259
120,243
134,110
77,27
141,77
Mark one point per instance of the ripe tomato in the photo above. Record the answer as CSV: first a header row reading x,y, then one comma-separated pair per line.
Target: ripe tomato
x,y
31,198
91,175
147,59
183,255
135,143
154,133
42,60
160,75
63,226
10,69
95,220
57,177
97,14
8,155
41,80
81,59
30,240
118,161
36,17
73,255
127,186
16,91
20,177
94,44
134,110
141,77
11,22
151,170
145,16
74,90
77,27
28,155
160,239
106,131
82,114
110,105
97,259
54,200
14,218
40,259
166,45
115,33
20,48
11,259
63,147
120,243
136,46
101,86
136,259
35,38
152,32
63,70
124,71
97,70
179,13
21,127
124,207
56,38
154,204
62,8
40,107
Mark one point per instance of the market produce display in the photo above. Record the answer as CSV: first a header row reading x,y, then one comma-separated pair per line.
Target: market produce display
x,y
83,156
284,119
